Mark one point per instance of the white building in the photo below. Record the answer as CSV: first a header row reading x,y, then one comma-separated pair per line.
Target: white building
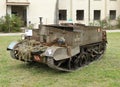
x,y
61,11
86,11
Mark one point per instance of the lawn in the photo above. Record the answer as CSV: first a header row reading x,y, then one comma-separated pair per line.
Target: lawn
x,y
102,73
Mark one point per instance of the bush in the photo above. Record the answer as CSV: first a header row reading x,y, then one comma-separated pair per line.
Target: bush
x,y
100,23
105,23
10,23
118,22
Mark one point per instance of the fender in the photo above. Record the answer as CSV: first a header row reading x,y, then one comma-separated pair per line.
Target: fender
x,y
59,53
12,45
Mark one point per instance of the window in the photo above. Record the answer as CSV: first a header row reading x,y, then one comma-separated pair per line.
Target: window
x,y
112,14
80,15
62,14
97,14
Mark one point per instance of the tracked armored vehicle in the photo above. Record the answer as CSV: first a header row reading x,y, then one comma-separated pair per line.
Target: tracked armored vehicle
x,y
65,47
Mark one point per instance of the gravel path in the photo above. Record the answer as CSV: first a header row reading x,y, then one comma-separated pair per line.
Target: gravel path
x,y
11,34
113,30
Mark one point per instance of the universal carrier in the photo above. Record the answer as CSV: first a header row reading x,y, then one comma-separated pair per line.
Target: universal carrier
x,y
65,47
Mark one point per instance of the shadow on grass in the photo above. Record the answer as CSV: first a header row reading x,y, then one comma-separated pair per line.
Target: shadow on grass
x,y
38,68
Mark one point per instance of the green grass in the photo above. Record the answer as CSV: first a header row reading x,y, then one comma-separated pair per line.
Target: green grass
x,y
101,73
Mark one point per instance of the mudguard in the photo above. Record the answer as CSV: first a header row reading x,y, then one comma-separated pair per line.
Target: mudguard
x,y
12,45
59,53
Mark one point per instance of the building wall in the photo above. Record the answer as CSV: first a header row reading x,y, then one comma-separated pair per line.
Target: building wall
x,y
97,5
2,8
113,5
48,10
43,8
80,5
103,5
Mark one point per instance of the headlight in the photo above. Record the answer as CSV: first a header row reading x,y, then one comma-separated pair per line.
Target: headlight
x,y
23,36
49,52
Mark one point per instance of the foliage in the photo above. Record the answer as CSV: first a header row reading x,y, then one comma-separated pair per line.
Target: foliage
x,y
118,22
10,23
105,23
31,26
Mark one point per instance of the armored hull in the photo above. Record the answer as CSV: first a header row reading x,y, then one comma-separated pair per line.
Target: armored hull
x,y
63,47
